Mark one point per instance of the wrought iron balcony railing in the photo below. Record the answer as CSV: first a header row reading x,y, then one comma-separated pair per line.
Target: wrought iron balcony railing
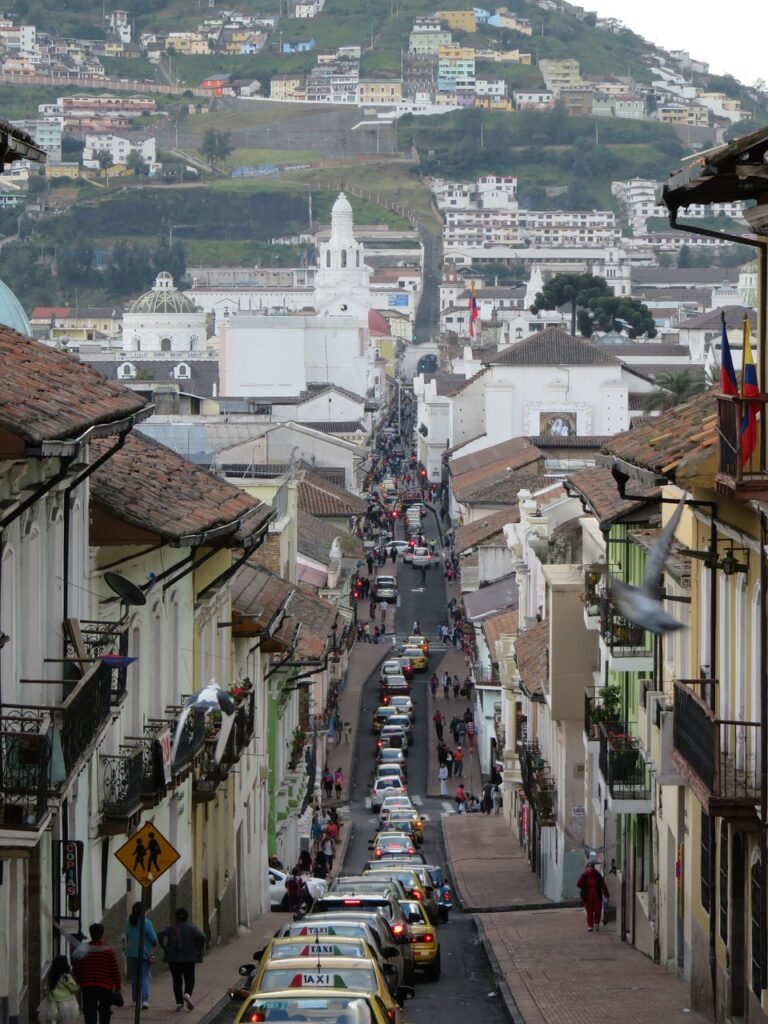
x,y
622,637
192,738
600,708
24,767
734,478
594,587
84,713
622,765
719,758
209,775
538,783
122,776
153,776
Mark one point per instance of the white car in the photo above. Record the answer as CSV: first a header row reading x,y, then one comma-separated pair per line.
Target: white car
x,y
397,801
398,545
278,894
404,706
383,788
390,771
422,558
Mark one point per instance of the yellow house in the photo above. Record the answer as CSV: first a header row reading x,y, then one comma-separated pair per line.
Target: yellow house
x,y
286,87
378,91
461,21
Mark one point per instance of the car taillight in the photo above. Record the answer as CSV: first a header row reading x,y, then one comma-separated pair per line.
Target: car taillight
x,y
419,823
377,853
446,897
411,850
417,894
378,744
429,937
352,903
258,1016
398,930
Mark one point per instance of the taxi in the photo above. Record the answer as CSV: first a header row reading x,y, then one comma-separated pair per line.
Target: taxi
x,y
417,657
316,1006
323,972
412,819
426,947
404,874
402,828
381,714
418,641
388,844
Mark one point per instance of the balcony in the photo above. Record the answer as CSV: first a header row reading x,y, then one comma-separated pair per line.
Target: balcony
x,y
24,769
626,647
625,772
719,759
594,587
210,775
538,783
192,739
732,479
122,776
662,718
156,746
602,706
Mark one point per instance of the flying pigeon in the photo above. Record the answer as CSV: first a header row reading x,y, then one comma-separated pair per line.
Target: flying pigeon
x,y
641,605
210,698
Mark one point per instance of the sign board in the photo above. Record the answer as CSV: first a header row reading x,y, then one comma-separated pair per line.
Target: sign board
x,y
397,300
164,742
147,855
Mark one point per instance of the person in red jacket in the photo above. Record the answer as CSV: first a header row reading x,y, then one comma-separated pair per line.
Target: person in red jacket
x,y
592,887
97,972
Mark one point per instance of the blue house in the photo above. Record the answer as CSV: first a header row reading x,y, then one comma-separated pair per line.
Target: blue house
x,y
297,45
481,16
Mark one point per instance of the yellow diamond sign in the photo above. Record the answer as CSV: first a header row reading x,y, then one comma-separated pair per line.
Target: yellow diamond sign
x,y
147,855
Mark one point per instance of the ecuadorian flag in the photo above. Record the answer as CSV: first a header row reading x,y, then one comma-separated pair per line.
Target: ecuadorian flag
x,y
749,389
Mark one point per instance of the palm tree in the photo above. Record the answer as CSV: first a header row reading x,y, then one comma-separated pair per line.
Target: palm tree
x,y
674,388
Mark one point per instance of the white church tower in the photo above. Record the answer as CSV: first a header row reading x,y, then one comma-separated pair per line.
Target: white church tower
x,y
342,282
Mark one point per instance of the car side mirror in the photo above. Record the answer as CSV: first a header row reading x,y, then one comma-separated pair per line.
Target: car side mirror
x,y
259,954
245,970
408,991
389,969
370,845
390,951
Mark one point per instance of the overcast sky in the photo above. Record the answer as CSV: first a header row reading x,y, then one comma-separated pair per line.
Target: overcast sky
x,y
732,40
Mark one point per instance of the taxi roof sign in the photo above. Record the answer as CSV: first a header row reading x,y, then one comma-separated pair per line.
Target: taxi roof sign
x,y
147,855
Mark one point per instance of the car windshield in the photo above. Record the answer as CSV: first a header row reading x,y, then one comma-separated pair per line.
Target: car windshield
x,y
275,978
322,1009
336,947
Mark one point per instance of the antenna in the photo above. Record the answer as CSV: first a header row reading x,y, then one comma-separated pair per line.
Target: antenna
x,y
126,589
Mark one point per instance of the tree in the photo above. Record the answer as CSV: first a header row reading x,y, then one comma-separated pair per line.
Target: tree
x,y
594,306
216,145
137,163
673,389
104,159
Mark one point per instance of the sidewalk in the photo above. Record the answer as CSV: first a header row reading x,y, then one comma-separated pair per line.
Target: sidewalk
x,y
454,662
550,969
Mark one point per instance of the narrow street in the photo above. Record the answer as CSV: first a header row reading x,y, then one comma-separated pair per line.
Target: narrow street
x,y
467,984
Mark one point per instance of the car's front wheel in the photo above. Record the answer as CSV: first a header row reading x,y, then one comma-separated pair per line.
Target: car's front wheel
x,y
432,971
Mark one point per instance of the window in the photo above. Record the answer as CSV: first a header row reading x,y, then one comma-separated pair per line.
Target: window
x,y
724,881
126,371
705,862
182,371
328,258
165,344
343,257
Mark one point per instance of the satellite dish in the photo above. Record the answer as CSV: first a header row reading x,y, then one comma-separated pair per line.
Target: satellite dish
x,y
124,588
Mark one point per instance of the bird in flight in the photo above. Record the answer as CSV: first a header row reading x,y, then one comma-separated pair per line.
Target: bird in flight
x,y
642,605
210,698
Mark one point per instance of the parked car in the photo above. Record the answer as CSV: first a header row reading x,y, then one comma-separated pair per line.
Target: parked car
x,y
385,589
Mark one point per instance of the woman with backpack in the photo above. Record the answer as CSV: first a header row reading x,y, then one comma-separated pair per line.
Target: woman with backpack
x,y
183,944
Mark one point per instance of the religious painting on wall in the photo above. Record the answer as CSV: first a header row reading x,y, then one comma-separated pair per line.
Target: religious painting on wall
x,y
557,424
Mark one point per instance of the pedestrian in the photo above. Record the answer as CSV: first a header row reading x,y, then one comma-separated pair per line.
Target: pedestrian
x,y
293,886
367,632
59,1005
486,802
433,684
441,749
347,732
97,972
320,867
372,610
183,944
139,962
456,687
417,628
458,763
338,781
437,718
462,731
327,784
376,634
460,799
457,631
383,617
369,563
329,850
316,834
393,554
442,774
360,632
471,734
449,762
432,545
496,799
593,890
468,688
446,685
366,587
454,727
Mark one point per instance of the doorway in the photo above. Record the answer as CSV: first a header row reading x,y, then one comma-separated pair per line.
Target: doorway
x,y
737,944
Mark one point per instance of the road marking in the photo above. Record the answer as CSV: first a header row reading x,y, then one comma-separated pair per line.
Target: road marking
x,y
447,808
417,800
368,803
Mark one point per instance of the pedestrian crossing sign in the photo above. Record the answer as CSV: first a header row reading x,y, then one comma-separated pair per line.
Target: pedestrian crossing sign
x,y
147,855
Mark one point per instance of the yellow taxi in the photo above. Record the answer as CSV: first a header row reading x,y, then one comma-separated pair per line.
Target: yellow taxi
x,y
418,641
417,657
426,947
412,819
322,972
316,1005
402,873
403,827
381,714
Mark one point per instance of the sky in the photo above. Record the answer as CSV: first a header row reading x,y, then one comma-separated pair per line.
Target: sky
x,y
731,45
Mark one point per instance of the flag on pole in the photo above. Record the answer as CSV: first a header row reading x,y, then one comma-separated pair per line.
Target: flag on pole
x,y
749,389
473,312
728,382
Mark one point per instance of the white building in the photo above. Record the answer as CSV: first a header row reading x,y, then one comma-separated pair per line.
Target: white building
x,y
47,133
163,320
119,149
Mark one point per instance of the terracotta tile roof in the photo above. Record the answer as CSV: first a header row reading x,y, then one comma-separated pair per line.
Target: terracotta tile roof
x,y
497,626
531,654
301,622
148,485
553,347
470,471
677,565
734,318
584,441
315,537
505,490
660,444
339,427
48,395
486,528
597,489
318,497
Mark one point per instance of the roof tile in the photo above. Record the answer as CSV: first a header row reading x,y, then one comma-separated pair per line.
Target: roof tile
x,y
319,497
531,653
486,528
598,488
553,347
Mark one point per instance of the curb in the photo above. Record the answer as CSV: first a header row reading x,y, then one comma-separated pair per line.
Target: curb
x,y
510,1006
216,1010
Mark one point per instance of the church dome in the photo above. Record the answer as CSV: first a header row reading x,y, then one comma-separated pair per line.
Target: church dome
x,y
341,205
163,298
11,313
